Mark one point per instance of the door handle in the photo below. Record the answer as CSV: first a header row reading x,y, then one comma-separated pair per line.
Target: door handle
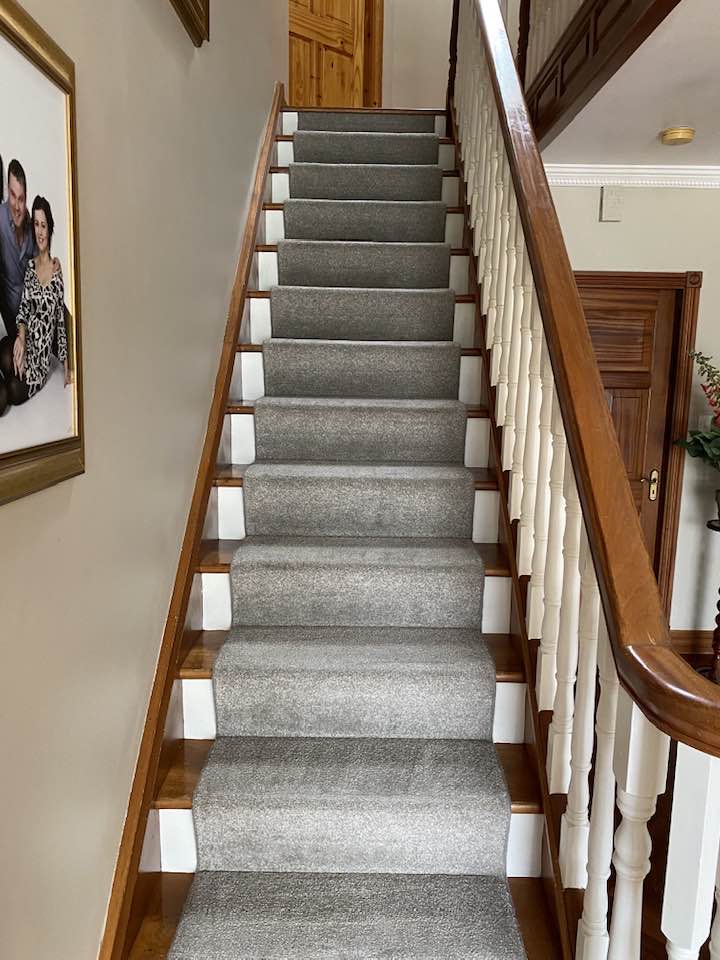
x,y
653,482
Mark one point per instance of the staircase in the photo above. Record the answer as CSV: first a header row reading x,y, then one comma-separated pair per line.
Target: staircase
x,y
353,779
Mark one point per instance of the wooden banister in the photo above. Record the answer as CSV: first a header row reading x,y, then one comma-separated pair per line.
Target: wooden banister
x,y
670,694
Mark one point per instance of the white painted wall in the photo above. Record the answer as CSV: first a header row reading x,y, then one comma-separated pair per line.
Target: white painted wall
x,y
416,53
666,230
168,139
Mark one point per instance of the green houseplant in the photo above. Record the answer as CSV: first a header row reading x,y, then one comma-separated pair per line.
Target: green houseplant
x,y
705,444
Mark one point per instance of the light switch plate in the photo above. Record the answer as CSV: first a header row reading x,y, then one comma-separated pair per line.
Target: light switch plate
x,y
611,204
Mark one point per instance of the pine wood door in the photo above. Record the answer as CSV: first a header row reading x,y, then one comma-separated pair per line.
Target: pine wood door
x,y
633,329
327,53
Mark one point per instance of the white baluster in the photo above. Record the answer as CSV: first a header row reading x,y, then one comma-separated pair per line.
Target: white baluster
x,y
476,211
575,831
522,304
500,251
495,338
561,726
692,853
532,448
640,763
488,205
515,448
499,209
502,333
547,654
536,588
593,939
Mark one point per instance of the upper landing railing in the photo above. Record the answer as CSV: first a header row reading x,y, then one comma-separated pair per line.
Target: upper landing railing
x,y
593,601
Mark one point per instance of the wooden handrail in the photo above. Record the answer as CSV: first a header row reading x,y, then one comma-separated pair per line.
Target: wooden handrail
x,y
671,695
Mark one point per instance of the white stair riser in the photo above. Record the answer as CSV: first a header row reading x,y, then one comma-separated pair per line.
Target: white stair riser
x,y
238,440
217,608
178,850
199,716
268,271
225,516
248,380
261,322
280,189
275,227
290,123
286,154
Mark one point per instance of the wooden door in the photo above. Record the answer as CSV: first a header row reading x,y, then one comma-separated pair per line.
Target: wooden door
x,y
633,329
327,53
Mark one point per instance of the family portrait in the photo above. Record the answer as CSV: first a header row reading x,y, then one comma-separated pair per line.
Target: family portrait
x,y
40,415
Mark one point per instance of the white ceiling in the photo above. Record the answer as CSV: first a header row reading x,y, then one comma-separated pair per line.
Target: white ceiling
x,y
673,79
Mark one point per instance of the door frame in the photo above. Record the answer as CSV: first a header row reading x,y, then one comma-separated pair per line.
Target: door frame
x,y
687,286
374,53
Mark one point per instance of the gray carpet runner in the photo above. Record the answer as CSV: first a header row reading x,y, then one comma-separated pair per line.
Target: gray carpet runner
x,y
375,220
333,313
353,805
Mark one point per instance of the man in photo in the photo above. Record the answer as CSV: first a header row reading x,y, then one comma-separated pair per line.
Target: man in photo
x,y
16,246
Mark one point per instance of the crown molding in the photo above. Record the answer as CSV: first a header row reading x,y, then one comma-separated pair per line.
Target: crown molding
x,y
632,175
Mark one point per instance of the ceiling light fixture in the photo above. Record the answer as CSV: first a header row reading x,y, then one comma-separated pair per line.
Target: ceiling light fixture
x,y
677,136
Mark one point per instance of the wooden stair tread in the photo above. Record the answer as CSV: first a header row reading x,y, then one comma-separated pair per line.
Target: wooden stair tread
x,y
216,555
273,247
258,348
190,756
535,920
446,173
281,206
265,294
290,137
233,475
203,647
165,895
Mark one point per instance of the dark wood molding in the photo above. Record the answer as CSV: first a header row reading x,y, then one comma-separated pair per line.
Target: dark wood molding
x,y
374,38
195,15
523,39
672,696
174,640
452,73
691,643
688,287
597,42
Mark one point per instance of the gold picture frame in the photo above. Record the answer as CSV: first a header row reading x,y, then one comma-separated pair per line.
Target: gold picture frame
x,y
32,468
195,14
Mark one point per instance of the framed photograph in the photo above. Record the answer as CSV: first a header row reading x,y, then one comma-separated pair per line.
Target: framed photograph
x,y
41,410
195,14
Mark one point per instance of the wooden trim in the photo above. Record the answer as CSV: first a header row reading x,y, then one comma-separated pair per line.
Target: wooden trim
x,y
559,92
374,39
690,643
674,698
523,39
452,72
688,287
195,15
390,111
144,782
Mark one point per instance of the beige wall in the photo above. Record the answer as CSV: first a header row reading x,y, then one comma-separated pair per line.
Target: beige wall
x,y
168,138
417,42
669,230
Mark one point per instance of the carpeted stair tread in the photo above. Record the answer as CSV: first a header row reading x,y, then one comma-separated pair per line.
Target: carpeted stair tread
x,y
366,122
331,805
374,220
355,682
324,146
359,500
409,370
362,314
345,581
353,181
291,916
319,263
359,430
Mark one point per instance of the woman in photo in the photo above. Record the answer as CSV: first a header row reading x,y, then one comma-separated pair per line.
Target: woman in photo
x,y
3,387
25,364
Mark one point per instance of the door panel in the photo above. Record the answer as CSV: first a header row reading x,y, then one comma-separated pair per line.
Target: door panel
x,y
632,330
327,52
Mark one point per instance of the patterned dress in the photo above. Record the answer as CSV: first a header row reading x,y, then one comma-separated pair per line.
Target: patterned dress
x,y
42,310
